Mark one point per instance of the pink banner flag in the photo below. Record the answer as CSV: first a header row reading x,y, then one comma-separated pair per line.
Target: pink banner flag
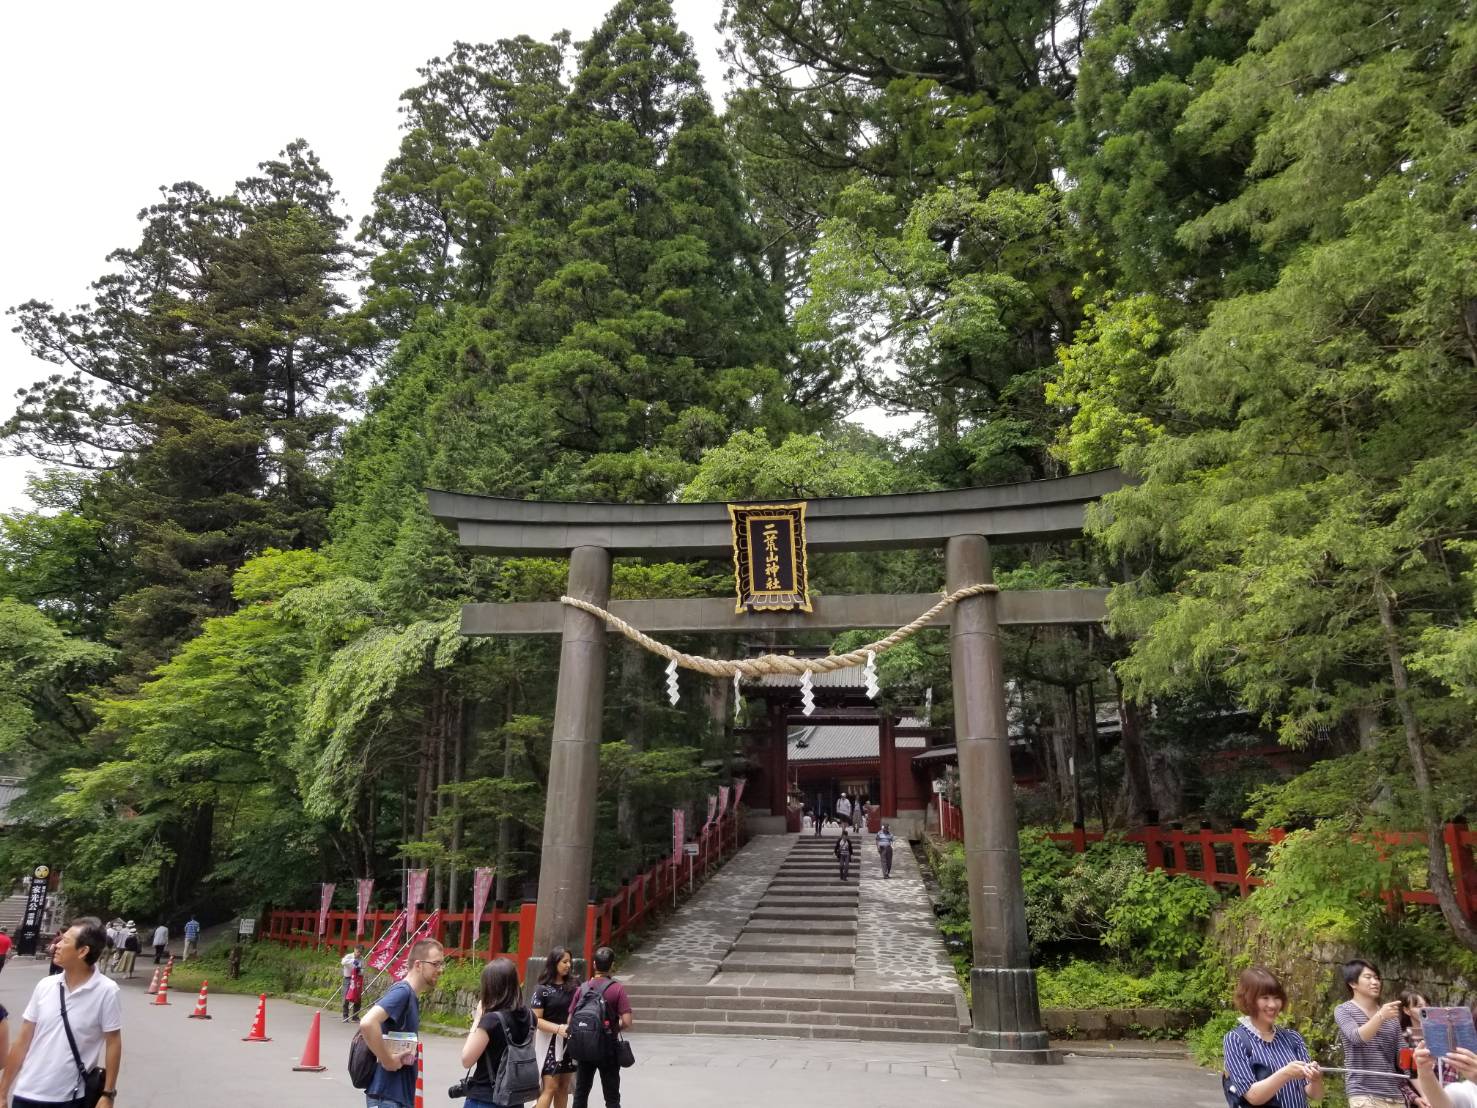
x,y
389,944
712,808
722,800
366,888
325,898
415,892
427,930
679,832
738,790
481,886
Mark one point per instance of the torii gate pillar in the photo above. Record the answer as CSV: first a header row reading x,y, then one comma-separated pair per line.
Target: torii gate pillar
x,y
1007,1017
574,760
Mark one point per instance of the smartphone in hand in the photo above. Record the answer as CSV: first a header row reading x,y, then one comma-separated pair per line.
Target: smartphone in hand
x,y
1446,1028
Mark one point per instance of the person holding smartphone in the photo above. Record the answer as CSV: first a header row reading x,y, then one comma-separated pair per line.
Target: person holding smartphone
x,y
1460,1094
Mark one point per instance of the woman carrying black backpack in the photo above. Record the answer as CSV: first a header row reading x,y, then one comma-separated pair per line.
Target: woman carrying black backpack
x,y
499,1050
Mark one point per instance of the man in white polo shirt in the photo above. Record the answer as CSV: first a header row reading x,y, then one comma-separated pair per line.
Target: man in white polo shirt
x,y
42,1069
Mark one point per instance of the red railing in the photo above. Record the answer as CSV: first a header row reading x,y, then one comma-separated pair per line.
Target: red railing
x,y
510,933
1229,857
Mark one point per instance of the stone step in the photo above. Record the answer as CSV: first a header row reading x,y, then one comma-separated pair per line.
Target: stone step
x,y
749,941
808,964
800,1031
819,913
814,1019
833,1000
828,882
806,900
792,992
801,927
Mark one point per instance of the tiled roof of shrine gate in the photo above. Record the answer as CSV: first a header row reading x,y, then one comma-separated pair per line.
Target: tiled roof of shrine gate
x,y
847,742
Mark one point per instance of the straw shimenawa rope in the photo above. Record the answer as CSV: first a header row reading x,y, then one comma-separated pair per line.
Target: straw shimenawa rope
x,y
776,663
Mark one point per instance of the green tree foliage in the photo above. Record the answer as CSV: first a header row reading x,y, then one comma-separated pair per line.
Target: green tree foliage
x,y
202,384
1316,497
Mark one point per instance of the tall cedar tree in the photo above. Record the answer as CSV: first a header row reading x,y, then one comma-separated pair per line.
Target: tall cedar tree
x,y
201,384
633,288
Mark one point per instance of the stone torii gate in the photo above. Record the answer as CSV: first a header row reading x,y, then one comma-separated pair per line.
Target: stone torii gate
x,y
964,522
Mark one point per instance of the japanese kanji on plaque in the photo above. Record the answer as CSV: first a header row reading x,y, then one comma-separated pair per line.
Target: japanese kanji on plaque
x,y
769,559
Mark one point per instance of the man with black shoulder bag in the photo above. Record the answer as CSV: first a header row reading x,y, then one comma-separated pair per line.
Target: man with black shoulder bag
x,y
71,1019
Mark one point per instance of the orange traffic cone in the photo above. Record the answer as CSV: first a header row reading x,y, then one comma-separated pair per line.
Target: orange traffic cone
x,y
310,1048
154,982
162,996
420,1078
259,1026
200,1013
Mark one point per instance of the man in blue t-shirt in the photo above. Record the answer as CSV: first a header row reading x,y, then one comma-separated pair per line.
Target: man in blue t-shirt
x,y
393,1083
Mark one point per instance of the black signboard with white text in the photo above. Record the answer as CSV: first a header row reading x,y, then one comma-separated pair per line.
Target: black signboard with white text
x,y
35,910
769,558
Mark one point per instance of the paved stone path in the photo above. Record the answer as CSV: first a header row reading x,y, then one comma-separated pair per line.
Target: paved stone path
x,y
171,1061
898,945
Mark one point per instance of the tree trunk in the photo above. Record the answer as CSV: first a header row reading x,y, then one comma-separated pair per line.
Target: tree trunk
x,y
1437,873
438,798
1074,766
1135,760
505,825
465,724
633,660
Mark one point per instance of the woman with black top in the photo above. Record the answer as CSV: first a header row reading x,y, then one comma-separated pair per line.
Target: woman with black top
x,y
487,1040
550,1004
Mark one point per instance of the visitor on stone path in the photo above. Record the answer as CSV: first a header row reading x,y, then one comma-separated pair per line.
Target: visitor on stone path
x,y
352,967
501,1016
618,1013
192,938
819,821
399,1010
1461,1094
884,850
5,945
843,811
68,1023
551,1004
161,942
1369,1033
1256,1042
843,854
130,949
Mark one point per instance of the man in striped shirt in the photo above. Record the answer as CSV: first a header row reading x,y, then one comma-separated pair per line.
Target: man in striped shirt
x,y
1370,1035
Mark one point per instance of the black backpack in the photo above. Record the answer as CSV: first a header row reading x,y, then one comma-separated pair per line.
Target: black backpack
x,y
589,1025
517,1080
361,1062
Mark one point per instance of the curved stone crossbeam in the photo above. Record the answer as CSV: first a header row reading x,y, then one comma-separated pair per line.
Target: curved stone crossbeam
x,y
1028,511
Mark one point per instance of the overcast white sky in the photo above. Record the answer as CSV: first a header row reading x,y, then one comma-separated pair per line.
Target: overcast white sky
x,y
104,102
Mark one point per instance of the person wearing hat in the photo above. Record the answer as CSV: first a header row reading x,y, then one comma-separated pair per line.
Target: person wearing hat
x,y
130,948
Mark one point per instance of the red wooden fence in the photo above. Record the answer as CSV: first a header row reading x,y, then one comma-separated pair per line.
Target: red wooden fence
x,y
1228,857
510,933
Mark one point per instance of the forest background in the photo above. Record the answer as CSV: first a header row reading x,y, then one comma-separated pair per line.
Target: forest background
x,y
1227,246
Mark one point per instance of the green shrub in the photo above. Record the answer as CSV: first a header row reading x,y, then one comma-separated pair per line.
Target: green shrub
x,y
1205,1041
1069,896
1079,983
1158,920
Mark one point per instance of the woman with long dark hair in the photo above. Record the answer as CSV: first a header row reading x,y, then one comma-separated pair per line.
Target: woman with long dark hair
x,y
550,1004
501,1015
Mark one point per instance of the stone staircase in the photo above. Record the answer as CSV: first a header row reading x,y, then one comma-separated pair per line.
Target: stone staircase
x,y
792,970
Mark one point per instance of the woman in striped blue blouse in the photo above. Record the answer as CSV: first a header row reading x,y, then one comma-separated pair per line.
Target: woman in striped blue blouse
x,y
1265,1063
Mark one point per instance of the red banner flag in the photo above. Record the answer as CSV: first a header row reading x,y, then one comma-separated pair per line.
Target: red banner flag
x,y
679,832
415,892
481,886
738,790
722,800
712,808
427,930
366,888
389,944
325,898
